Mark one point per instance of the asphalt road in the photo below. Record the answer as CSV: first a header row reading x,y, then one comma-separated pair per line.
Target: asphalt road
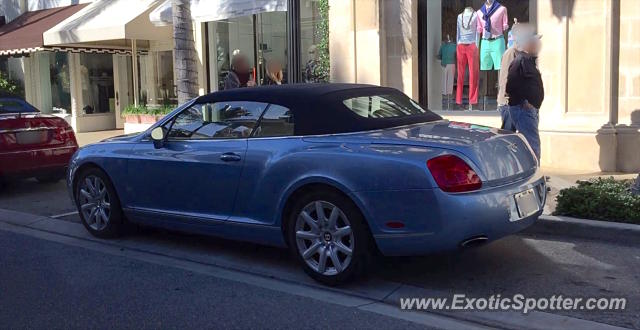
x,y
539,266
45,284
36,198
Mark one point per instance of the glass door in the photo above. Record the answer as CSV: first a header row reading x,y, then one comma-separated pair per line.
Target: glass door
x,y
271,43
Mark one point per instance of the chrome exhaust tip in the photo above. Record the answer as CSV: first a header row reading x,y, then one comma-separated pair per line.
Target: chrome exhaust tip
x,y
474,241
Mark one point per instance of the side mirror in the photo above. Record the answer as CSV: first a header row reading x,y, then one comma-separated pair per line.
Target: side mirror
x,y
158,135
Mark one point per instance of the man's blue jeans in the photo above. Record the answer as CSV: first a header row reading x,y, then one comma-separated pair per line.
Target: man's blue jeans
x,y
525,119
507,122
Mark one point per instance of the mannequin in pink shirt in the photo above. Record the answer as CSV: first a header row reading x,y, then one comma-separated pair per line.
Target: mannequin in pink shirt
x,y
499,21
491,24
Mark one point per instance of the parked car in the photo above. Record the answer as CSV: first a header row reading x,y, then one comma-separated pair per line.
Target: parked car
x,y
336,172
33,144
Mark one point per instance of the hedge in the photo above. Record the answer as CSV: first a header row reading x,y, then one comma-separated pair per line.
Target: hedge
x,y
600,199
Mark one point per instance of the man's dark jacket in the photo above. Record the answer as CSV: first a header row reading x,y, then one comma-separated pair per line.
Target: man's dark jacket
x,y
524,81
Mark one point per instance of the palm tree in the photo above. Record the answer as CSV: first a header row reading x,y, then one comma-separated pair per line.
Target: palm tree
x,y
184,51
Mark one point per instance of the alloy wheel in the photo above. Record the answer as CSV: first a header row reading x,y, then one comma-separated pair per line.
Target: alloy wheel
x,y
95,202
324,238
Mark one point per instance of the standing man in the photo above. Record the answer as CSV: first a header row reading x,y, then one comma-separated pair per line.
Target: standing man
x,y
524,87
503,99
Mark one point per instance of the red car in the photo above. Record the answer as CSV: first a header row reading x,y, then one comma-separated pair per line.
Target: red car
x,y
33,144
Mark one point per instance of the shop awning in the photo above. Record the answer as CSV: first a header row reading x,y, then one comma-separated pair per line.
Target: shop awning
x,y
108,20
215,10
24,34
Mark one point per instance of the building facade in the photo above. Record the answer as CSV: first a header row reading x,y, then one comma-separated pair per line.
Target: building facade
x,y
94,65
590,63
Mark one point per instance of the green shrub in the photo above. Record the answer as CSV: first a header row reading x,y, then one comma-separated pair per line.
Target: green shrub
x,y
600,199
9,86
322,34
147,110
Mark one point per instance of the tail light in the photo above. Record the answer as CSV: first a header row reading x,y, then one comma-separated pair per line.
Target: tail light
x,y
452,174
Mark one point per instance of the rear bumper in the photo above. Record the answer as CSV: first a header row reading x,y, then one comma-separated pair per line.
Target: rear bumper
x,y
35,162
437,221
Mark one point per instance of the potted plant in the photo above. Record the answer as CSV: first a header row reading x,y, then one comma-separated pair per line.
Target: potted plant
x,y
131,114
145,114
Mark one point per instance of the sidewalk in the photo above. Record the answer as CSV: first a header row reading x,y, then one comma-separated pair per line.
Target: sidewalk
x,y
93,137
562,179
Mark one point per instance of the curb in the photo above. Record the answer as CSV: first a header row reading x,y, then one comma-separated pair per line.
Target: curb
x,y
616,232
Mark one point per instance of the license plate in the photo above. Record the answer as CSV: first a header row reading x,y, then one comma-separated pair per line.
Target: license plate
x,y
32,137
527,203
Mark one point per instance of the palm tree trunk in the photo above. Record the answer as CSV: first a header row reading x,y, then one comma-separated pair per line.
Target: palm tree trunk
x,y
184,51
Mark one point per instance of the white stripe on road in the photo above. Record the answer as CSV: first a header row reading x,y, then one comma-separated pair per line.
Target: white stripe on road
x,y
63,215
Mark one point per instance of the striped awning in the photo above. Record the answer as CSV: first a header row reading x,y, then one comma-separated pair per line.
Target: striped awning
x,y
23,35
108,21
24,51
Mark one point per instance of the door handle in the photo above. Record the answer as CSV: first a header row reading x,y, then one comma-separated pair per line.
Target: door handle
x,y
230,157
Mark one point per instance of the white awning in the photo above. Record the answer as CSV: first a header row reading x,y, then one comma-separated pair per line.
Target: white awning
x,y
108,20
215,10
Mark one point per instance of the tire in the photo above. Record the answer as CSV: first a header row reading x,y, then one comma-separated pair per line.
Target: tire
x,y
98,204
331,242
50,178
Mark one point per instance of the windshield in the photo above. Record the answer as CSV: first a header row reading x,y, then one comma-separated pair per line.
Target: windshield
x,y
14,105
383,106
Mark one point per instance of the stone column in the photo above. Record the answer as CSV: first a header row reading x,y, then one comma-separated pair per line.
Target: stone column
x,y
75,86
342,41
37,81
199,43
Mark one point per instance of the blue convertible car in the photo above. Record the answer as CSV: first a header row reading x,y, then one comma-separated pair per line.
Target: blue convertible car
x,y
335,172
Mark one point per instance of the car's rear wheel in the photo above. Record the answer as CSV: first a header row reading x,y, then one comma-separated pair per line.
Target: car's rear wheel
x,y
98,204
329,237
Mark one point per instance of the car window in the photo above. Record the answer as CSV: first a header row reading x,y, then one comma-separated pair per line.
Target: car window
x,y
220,120
383,106
276,121
8,105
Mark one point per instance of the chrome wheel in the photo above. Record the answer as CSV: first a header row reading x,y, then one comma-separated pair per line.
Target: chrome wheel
x,y
324,238
95,202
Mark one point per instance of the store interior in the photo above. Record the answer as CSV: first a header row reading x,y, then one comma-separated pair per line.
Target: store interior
x,y
465,53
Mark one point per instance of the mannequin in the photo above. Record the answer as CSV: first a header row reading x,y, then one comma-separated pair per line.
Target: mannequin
x,y
447,57
467,37
492,21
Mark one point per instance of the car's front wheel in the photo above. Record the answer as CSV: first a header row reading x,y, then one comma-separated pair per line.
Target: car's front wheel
x,y
98,204
328,236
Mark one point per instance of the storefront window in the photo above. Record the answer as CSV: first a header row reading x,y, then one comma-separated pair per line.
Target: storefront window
x,y
60,82
166,86
157,86
231,36
466,53
260,38
96,74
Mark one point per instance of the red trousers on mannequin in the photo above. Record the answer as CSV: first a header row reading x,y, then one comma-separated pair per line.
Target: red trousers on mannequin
x,y
467,55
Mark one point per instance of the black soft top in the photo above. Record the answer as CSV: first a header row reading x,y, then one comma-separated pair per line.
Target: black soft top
x,y
319,108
